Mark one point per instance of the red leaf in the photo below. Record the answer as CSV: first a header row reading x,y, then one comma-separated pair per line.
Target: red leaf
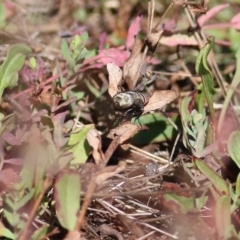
x,y
178,39
133,31
11,139
14,161
236,21
113,55
211,13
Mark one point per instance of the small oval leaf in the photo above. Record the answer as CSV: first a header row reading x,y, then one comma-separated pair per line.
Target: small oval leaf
x,y
67,191
234,147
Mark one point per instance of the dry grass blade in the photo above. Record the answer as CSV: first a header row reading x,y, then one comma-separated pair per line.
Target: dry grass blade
x,y
159,99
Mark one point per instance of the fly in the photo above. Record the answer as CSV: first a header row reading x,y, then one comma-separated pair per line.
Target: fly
x,y
129,104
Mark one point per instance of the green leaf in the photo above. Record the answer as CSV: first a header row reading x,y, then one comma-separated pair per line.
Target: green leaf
x,y
67,196
9,78
40,233
235,82
154,121
2,14
84,54
238,185
76,41
76,46
203,70
234,147
216,180
80,147
84,38
225,229
13,217
200,202
199,126
9,216
24,200
186,108
67,53
93,89
15,49
79,95
12,64
33,62
4,232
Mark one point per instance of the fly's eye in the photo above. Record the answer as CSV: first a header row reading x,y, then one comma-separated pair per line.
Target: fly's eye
x,y
117,101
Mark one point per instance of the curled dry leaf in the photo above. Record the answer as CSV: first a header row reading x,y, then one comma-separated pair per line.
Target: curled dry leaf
x,y
133,65
115,78
124,132
94,141
159,99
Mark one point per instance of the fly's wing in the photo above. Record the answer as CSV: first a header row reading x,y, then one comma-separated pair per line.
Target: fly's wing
x,y
115,78
159,99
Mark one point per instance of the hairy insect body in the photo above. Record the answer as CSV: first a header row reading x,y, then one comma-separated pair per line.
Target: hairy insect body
x,y
129,103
